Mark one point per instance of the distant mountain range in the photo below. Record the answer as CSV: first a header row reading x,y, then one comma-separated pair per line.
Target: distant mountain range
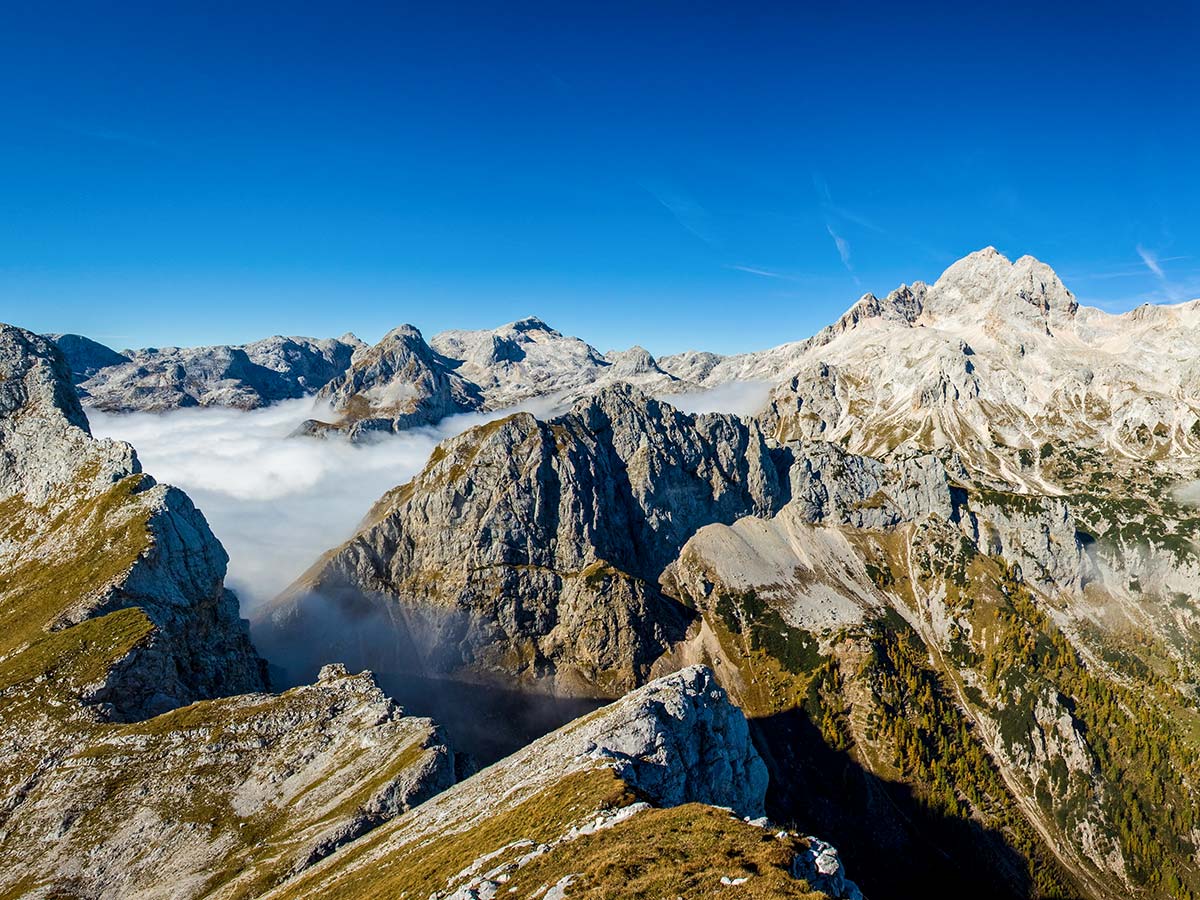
x,y
1006,344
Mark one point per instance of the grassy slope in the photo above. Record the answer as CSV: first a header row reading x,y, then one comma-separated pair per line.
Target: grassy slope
x,y
682,851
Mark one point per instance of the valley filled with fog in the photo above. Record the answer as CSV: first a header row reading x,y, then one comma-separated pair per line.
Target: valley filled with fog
x,y
278,502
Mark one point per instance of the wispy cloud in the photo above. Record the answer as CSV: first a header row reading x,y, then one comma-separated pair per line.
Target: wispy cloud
x,y
1174,288
765,273
687,212
855,218
843,249
1150,258
1179,285
1125,272
840,214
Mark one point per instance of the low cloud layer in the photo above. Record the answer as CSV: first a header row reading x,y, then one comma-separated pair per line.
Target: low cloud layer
x,y
1189,493
278,503
742,398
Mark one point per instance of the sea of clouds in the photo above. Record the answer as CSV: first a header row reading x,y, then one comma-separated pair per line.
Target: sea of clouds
x,y
277,502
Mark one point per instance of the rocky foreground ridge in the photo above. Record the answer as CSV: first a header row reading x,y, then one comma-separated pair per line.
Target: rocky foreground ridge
x,y
141,756
618,804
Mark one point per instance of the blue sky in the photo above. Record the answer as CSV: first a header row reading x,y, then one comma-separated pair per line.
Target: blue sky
x,y
679,175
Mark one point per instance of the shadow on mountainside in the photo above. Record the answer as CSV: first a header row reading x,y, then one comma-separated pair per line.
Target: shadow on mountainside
x,y
893,846
486,721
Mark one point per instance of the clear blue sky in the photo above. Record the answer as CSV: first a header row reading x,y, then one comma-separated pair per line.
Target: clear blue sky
x,y
672,174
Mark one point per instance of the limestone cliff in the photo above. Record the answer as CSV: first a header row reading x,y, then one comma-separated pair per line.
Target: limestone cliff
x,y
534,548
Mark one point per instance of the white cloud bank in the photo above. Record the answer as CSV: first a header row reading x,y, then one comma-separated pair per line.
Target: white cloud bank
x,y
1189,493
742,398
278,503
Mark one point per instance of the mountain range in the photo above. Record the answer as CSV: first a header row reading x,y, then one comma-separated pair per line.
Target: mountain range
x,y
937,602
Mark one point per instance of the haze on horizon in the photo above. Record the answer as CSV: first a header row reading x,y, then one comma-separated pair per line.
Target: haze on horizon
x,y
714,178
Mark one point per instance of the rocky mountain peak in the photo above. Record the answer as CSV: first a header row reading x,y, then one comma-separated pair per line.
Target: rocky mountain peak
x,y
633,362
986,285
408,335
398,383
903,305
35,378
85,356
907,301
531,323
45,441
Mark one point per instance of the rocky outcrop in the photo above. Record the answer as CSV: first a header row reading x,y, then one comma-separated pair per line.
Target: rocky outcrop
x,y
86,534
676,740
533,549
607,784
231,795
399,383
243,377
822,868
1037,533
691,365
637,366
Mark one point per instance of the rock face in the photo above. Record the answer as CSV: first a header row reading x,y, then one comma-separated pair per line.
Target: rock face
x,y
232,795
676,740
120,775
86,533
244,377
399,383
547,817
533,548
995,354
85,356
